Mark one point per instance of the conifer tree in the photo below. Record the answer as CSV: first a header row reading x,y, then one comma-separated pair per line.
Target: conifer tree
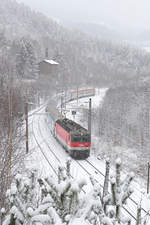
x,y
64,192
22,200
58,201
106,203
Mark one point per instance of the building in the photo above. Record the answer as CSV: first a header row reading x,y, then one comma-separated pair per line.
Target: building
x,y
48,69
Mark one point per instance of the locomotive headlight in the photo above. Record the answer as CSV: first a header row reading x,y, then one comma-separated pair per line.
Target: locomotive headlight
x,y
81,145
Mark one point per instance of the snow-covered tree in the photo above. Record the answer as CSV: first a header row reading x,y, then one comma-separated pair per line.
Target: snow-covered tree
x,y
64,192
22,199
26,64
104,205
61,201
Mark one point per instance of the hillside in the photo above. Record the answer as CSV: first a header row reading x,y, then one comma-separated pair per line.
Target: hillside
x,y
98,30
124,124
25,34
83,59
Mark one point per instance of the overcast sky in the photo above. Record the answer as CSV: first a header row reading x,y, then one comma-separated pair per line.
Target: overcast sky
x,y
126,13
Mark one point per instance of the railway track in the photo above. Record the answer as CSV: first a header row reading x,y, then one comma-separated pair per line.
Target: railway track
x,y
81,164
40,145
129,211
51,153
103,175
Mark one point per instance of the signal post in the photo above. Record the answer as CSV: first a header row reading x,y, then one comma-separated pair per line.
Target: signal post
x,y
27,133
89,116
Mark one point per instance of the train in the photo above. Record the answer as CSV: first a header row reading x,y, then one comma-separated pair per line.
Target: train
x,y
80,93
75,139
72,136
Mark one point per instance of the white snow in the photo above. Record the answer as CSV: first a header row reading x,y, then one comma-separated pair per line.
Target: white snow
x,y
30,211
40,135
52,62
13,190
118,161
78,221
41,218
3,210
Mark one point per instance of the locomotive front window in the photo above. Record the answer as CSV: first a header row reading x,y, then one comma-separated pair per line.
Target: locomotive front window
x,y
80,139
76,139
86,139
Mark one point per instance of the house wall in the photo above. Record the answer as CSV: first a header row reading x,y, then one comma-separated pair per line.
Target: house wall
x,y
47,70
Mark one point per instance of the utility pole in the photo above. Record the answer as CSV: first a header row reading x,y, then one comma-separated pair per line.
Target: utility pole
x,y
10,129
27,134
148,178
10,123
38,98
89,116
77,95
61,103
65,99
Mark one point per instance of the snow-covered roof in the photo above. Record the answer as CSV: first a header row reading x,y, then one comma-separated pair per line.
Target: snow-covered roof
x,y
51,61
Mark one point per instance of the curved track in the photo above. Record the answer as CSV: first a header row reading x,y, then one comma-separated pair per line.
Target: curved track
x,y
98,175
35,130
53,159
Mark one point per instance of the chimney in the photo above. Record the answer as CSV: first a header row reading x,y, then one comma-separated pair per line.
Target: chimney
x,y
46,53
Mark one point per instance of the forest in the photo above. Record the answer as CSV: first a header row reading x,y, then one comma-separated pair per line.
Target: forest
x,y
83,60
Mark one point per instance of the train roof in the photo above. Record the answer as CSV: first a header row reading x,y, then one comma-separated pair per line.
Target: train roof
x,y
72,127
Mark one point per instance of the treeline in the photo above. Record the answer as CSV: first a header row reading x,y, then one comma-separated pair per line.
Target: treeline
x,y
124,121
82,59
17,63
24,36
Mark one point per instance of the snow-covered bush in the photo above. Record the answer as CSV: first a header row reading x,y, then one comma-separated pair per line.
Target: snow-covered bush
x,y
62,200
23,200
64,192
103,206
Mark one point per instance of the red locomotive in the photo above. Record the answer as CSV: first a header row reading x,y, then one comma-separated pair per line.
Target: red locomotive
x,y
74,138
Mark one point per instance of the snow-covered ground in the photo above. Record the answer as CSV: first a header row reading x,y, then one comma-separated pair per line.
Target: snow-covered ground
x,y
46,154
